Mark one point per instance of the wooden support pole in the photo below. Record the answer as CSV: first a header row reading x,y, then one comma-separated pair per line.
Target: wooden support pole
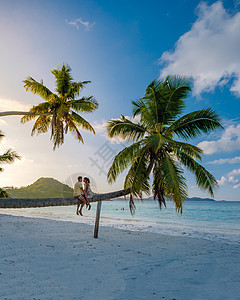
x,y
97,220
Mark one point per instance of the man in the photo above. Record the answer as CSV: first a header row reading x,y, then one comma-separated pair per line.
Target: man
x,y
78,193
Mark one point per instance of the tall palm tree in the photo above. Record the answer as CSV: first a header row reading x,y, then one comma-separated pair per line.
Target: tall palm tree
x,y
154,148
8,156
60,110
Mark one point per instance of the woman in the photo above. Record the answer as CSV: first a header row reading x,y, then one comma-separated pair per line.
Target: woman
x,y
87,191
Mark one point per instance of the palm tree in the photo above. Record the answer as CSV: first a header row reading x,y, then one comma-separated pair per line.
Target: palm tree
x,y
8,157
62,106
154,148
59,111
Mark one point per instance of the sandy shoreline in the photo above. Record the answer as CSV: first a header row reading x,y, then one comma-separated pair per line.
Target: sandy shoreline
x,y
46,259
168,227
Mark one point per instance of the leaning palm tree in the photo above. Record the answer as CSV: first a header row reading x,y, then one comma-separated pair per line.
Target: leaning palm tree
x,y
8,156
154,149
60,110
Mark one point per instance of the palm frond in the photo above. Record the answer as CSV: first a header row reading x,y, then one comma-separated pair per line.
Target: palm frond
x,y
168,178
74,130
122,161
63,80
138,107
159,186
75,89
163,100
189,149
44,108
9,156
155,141
35,87
179,86
160,141
62,110
81,122
1,135
137,177
152,100
42,124
204,179
179,89
4,194
27,118
57,134
193,124
125,129
85,104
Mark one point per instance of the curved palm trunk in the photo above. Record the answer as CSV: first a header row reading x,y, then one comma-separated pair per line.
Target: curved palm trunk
x,y
24,203
22,113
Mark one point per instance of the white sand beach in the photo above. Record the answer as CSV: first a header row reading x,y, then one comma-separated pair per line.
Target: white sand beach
x,y
49,259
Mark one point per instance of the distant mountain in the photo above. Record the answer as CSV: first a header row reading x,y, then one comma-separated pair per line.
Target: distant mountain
x,y
200,199
188,199
42,188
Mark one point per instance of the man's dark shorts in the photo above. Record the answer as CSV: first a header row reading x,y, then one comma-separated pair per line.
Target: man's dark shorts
x,y
80,199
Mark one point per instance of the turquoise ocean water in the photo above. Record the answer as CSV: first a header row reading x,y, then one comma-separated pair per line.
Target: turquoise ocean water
x,y
211,220
225,215
205,218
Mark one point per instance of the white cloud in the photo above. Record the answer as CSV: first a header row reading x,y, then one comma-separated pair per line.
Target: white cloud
x,y
222,181
236,186
229,141
79,22
12,105
209,52
230,178
101,128
234,173
221,161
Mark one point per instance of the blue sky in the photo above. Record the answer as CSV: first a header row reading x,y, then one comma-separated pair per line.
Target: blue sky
x,y
121,46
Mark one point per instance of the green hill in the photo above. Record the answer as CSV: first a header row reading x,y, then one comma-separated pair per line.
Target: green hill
x,y
42,188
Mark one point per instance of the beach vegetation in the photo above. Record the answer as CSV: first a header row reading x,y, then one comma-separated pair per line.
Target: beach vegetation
x,y
42,188
60,111
9,156
159,153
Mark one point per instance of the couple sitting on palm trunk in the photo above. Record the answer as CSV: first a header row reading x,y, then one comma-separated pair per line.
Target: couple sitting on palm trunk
x,y
82,193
